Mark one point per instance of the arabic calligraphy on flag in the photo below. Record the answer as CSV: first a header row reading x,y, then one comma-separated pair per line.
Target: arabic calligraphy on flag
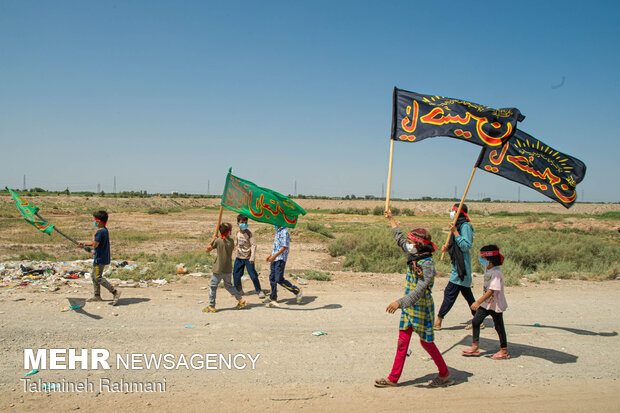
x,y
416,117
528,161
28,211
259,204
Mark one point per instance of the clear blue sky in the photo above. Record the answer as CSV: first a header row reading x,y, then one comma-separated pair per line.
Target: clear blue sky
x,y
167,95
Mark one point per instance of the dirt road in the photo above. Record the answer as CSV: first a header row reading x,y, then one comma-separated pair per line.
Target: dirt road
x,y
563,338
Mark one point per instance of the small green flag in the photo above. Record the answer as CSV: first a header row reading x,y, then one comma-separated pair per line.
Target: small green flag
x,y
259,204
28,211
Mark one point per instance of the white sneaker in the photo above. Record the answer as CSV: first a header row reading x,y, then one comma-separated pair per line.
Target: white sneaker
x,y
273,304
299,295
261,295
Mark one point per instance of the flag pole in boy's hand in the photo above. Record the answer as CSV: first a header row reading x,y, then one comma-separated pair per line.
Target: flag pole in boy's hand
x,y
219,221
87,249
458,211
389,181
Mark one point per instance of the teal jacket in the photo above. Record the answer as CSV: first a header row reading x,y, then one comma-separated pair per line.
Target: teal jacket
x,y
464,241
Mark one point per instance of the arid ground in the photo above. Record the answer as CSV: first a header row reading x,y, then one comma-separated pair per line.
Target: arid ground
x,y
562,334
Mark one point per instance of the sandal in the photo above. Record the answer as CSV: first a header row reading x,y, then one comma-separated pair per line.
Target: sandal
x,y
470,352
385,383
500,356
437,327
241,305
209,309
469,327
441,382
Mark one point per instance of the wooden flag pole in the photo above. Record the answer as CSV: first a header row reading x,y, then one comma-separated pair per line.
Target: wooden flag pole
x,y
219,221
389,181
456,216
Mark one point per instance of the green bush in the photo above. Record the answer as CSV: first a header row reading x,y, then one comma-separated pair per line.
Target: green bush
x,y
319,229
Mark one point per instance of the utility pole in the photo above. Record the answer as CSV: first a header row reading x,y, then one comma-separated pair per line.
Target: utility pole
x,y
455,192
208,187
24,182
98,188
295,193
382,190
114,185
518,194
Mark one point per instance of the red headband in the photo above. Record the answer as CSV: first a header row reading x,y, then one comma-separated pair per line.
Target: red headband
x,y
224,235
98,220
421,240
489,253
455,208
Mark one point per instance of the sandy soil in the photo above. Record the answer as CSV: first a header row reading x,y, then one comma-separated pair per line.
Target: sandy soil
x,y
570,362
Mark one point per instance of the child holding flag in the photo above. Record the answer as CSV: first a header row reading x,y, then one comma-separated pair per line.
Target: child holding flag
x,y
493,303
461,241
222,269
417,305
101,258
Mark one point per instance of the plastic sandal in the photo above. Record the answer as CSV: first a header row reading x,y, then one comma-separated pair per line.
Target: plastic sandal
x,y
441,382
241,305
500,356
209,309
385,383
470,352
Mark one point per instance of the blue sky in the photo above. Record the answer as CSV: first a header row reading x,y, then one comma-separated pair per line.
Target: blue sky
x,y
166,96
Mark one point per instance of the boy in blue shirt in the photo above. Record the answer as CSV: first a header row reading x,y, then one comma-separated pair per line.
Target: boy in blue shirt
x,y
278,257
101,243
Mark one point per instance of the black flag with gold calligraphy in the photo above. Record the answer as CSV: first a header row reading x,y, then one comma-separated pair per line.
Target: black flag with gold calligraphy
x,y
416,117
526,160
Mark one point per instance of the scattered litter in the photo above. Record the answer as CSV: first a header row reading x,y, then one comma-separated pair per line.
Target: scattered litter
x,y
189,326
73,307
536,324
319,333
200,302
203,288
181,269
302,281
35,371
408,352
50,386
159,282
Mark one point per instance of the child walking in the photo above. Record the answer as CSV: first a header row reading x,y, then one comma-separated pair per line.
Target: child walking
x,y
101,258
461,241
278,257
222,269
246,255
492,302
417,305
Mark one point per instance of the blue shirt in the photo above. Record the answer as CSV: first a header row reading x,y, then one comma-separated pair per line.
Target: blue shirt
x,y
283,239
464,241
102,251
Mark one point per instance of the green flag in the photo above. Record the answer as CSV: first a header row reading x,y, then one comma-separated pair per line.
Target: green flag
x,y
28,211
259,204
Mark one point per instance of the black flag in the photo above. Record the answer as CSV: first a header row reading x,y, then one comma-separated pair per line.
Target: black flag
x,y
526,160
416,117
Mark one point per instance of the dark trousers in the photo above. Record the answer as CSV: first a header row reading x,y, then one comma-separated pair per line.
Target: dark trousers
x,y
498,321
276,276
240,264
449,297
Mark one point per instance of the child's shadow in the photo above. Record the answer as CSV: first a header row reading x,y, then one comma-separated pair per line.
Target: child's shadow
x,y
247,307
489,347
306,299
131,300
82,302
488,323
459,377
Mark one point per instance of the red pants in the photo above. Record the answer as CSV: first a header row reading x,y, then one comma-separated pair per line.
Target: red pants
x,y
404,337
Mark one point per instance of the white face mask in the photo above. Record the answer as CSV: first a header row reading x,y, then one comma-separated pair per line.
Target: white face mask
x,y
452,215
411,248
